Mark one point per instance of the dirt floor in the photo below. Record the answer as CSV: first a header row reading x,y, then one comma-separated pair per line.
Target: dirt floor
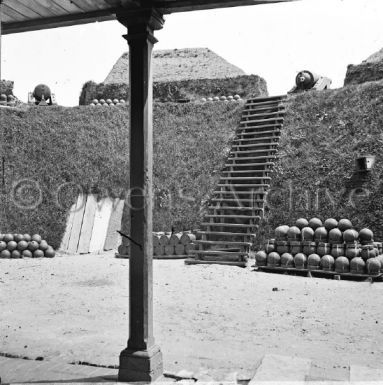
x,y
212,319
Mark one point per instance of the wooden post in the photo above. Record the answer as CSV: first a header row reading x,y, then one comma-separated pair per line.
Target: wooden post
x,y
142,359
1,17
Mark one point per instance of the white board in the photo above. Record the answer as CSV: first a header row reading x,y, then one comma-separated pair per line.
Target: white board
x,y
100,225
77,222
87,224
69,223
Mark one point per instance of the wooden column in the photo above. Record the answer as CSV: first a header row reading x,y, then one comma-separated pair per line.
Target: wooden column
x,y
1,17
142,359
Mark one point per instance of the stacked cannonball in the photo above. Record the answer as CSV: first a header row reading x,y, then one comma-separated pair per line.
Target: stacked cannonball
x,y
328,246
229,98
107,102
24,246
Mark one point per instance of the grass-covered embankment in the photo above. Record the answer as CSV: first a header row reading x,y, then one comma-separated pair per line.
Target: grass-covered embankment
x,y
324,132
50,153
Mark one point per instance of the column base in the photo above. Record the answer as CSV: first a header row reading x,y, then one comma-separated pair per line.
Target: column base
x,y
141,365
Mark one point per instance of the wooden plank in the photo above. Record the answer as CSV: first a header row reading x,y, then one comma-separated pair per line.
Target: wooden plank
x,y
100,226
77,222
113,239
40,9
69,223
191,261
87,224
27,12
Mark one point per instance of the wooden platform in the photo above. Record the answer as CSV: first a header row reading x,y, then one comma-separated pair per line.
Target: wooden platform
x,y
320,273
192,261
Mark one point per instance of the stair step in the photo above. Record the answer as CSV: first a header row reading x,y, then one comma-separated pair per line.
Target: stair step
x,y
228,243
235,193
233,208
253,151
247,132
255,178
237,200
225,233
256,121
235,216
264,173
267,98
255,184
266,113
274,108
261,144
257,138
238,225
275,102
239,165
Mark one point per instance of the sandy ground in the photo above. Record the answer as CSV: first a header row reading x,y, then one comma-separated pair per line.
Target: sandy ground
x,y
213,319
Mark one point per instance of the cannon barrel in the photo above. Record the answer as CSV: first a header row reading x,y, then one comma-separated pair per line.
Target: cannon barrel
x,y
306,80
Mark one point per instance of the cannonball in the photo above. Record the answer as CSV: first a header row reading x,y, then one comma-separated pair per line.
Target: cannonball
x,y
26,254
237,97
209,99
301,223
118,104
122,101
373,266
203,100
102,101
95,101
3,245
111,105
15,254
8,237
109,101
38,254
1,237
5,254
287,260
314,223
366,235
33,245
307,234
27,237
98,104
335,236
43,245
281,232
273,259
293,233
327,262
342,265
330,224
357,266
350,235
320,234
22,245
3,98
115,101
36,237
230,98
49,252
300,261
18,237
216,99
313,261
261,258
11,245
344,224
92,104
223,98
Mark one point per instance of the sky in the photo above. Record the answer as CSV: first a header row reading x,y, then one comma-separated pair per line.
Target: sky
x,y
273,41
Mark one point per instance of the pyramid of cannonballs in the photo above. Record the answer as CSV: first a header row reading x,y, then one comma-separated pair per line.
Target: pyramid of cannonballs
x,y
329,246
107,102
24,246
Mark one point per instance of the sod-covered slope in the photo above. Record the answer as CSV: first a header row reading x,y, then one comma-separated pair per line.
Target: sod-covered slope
x,y
61,148
323,134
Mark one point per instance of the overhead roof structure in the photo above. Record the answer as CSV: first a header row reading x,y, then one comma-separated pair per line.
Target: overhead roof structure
x,y
31,15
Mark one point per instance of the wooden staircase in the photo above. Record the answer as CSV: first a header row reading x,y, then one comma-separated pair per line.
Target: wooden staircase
x,y
238,202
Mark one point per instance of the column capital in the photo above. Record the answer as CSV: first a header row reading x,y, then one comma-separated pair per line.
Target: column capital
x,y
152,18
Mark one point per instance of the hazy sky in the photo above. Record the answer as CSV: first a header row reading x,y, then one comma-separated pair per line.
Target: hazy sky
x,y
273,41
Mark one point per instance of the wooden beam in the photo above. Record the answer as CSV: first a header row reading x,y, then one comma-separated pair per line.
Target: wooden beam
x,y
59,21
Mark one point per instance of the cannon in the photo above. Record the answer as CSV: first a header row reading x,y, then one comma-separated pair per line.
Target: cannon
x,y
307,80
42,96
